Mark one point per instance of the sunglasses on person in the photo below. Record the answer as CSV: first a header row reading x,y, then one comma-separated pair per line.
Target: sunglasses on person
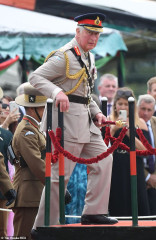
x,y
4,105
124,93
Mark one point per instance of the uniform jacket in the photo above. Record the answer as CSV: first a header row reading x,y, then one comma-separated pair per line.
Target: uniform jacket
x,y
153,125
28,142
5,183
53,74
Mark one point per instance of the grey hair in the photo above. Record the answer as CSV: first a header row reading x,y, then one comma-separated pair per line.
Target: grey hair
x,y
147,98
109,76
81,28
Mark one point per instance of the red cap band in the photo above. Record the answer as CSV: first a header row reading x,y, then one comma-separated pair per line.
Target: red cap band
x,y
96,22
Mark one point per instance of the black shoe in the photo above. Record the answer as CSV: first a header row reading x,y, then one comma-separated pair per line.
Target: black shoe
x,y
97,219
34,234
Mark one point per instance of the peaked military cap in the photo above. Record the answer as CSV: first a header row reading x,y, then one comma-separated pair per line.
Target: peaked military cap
x,y
31,97
91,21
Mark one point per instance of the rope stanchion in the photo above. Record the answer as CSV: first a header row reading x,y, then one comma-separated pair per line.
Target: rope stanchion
x,y
104,111
133,163
48,164
61,169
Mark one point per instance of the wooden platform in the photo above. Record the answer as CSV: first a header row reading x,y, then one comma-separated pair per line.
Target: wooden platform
x,y
123,230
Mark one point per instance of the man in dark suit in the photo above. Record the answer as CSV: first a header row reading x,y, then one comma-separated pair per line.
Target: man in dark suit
x,y
107,88
146,104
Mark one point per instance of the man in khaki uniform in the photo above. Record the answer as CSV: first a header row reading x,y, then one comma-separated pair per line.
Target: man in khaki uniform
x,y
29,147
67,77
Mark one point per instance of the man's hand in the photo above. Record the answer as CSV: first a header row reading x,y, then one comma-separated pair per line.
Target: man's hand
x,y
63,100
10,196
99,118
151,183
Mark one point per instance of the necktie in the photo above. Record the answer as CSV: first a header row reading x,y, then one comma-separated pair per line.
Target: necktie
x,y
150,158
86,55
108,109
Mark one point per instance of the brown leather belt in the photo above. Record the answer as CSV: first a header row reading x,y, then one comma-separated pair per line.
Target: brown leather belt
x,y
78,99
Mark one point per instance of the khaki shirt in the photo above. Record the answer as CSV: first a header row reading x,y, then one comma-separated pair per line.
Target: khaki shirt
x,y
53,75
28,142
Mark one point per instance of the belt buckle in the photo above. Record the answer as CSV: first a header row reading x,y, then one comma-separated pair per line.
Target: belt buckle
x,y
89,100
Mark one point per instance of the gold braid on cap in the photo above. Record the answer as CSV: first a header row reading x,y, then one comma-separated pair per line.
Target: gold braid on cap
x,y
81,73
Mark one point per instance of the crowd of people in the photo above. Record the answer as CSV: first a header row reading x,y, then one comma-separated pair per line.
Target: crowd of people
x,y
68,76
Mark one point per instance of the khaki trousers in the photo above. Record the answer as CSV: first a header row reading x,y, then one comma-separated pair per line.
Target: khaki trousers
x,y
23,221
98,186
3,219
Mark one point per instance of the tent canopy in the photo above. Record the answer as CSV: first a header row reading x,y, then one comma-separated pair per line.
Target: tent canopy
x,y
141,8
35,34
135,19
133,14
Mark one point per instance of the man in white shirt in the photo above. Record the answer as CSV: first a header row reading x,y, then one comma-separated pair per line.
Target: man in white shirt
x,y
146,104
107,88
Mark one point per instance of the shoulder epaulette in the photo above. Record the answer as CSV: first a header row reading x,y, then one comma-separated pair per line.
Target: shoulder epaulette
x,y
77,51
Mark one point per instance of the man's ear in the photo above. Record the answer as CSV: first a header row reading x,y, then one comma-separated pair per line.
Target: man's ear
x,y
77,31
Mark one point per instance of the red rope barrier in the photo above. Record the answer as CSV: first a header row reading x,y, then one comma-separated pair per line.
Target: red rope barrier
x,y
107,135
150,151
116,142
83,160
54,157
